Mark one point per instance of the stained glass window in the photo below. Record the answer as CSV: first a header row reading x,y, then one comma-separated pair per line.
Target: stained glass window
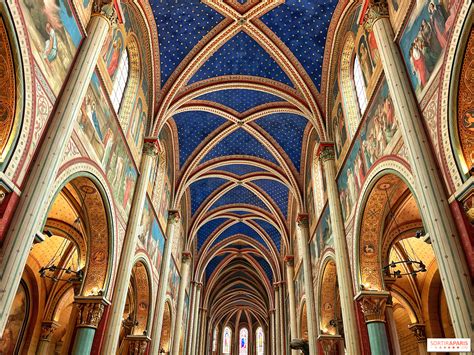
x,y
120,81
360,86
260,337
226,340
243,341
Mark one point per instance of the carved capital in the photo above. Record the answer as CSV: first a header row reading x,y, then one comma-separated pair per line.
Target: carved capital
x,y
373,305
329,342
151,147
186,256
47,330
90,311
137,344
418,331
106,9
289,260
326,152
173,216
376,10
302,220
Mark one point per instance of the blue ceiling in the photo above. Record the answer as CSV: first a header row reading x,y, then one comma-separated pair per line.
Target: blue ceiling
x,y
201,189
241,55
239,228
277,192
240,100
241,195
302,25
240,169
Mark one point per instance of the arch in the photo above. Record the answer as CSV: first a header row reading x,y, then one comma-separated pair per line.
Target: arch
x,y
303,320
329,309
243,341
348,93
141,280
165,339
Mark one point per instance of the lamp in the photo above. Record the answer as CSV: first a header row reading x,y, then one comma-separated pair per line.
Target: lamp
x,y
413,263
53,272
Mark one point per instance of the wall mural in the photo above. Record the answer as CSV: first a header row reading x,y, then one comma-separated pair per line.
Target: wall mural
x,y
375,140
101,132
425,38
84,10
173,282
165,198
322,237
9,342
54,37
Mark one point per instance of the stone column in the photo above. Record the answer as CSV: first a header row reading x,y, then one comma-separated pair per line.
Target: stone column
x,y
373,307
192,305
194,319
90,310
124,272
137,344
173,219
392,327
276,287
185,270
272,332
330,343
47,331
33,204
290,275
420,335
430,190
282,318
343,268
303,238
203,332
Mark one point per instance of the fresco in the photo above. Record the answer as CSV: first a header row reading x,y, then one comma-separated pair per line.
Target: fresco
x,y
15,322
150,236
299,286
165,199
425,38
322,238
173,281
100,131
84,10
54,37
339,130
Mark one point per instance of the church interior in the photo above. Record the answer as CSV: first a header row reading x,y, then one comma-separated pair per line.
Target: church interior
x,y
236,177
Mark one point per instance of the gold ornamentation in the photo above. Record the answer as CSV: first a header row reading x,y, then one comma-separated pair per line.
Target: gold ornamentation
x,y
376,10
418,331
138,344
151,147
47,329
373,305
90,312
326,152
106,9
302,220
290,260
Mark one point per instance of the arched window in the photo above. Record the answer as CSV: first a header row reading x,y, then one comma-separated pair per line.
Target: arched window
x,y
244,341
260,341
226,340
214,340
360,86
120,81
318,184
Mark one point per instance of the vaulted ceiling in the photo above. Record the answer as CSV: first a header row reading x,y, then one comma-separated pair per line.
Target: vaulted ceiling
x,y
239,84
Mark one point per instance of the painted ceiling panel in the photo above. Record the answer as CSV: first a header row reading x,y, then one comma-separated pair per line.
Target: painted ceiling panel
x,y
207,229
201,189
239,228
271,231
265,266
239,194
213,263
302,25
287,129
240,169
241,55
181,25
277,191
240,143
239,99
193,128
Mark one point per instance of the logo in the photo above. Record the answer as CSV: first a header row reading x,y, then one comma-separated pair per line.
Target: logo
x,y
449,345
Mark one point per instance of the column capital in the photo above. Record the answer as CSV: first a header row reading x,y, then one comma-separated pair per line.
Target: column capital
x,y
326,151
105,9
47,329
174,216
151,146
289,260
418,331
186,256
91,309
138,343
376,10
373,305
302,220
328,341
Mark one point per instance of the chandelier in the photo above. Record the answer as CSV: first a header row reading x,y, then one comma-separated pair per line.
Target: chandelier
x,y
413,264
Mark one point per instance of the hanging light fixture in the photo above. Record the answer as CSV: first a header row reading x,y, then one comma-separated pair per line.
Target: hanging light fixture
x,y
54,272
414,265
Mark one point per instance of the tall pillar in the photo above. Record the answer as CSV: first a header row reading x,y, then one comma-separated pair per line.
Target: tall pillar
x,y
277,319
203,332
290,275
124,272
33,203
373,307
47,331
303,239
343,268
272,331
90,310
431,194
194,319
185,270
173,219
420,335
391,326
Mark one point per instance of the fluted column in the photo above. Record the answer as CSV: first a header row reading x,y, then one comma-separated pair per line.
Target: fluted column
x,y
272,332
276,288
173,219
124,272
33,204
373,305
185,269
194,319
47,331
290,275
431,195
303,238
90,310
343,267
